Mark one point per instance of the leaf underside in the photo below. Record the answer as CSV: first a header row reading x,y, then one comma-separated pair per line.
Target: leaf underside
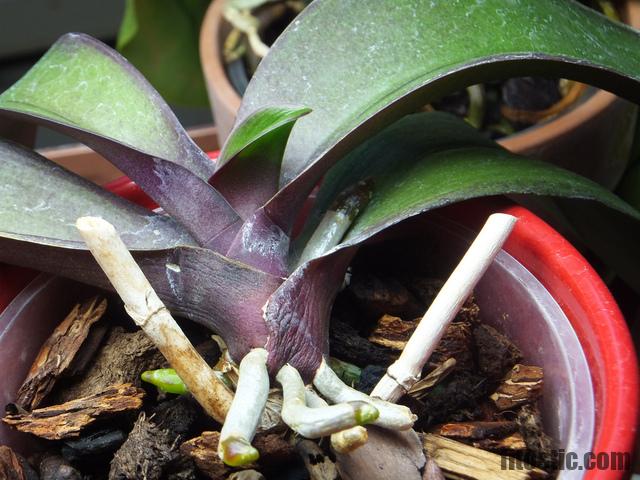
x,y
84,89
359,73
195,283
41,202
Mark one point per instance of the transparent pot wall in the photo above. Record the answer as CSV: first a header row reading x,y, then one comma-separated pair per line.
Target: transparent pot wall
x,y
25,325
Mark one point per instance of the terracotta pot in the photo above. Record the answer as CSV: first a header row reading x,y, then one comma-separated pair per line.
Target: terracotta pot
x,y
92,166
548,300
581,139
225,101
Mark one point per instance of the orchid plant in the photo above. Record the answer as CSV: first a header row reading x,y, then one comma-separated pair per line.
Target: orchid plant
x,y
326,107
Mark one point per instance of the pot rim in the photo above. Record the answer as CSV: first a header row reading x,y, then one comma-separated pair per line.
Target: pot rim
x,y
211,60
594,315
606,339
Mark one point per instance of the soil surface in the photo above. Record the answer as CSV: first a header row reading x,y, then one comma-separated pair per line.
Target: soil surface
x,y
476,391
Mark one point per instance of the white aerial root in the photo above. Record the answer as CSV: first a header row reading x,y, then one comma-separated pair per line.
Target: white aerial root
x,y
344,441
397,417
242,420
149,313
405,372
318,422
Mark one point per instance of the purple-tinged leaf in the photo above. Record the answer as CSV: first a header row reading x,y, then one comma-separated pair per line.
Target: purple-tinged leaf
x,y
298,313
41,201
226,296
262,244
249,164
195,283
40,204
86,90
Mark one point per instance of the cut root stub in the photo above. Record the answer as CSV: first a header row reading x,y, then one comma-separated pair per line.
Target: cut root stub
x,y
69,419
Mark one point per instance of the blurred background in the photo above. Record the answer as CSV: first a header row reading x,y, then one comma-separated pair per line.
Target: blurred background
x,y
29,27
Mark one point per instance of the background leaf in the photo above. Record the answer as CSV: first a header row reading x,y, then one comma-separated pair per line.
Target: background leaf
x,y
160,37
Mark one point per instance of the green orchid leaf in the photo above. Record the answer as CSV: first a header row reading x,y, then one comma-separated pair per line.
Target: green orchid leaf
x,y
83,84
249,164
410,139
629,188
41,202
83,88
160,37
255,127
359,72
425,161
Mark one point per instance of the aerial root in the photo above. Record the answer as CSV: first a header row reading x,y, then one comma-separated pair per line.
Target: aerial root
x,y
396,417
242,420
344,441
322,421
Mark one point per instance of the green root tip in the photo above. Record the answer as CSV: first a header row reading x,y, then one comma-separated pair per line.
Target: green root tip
x,y
237,452
166,379
366,413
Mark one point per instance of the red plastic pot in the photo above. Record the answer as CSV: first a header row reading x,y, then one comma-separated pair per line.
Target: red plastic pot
x,y
578,290
595,317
